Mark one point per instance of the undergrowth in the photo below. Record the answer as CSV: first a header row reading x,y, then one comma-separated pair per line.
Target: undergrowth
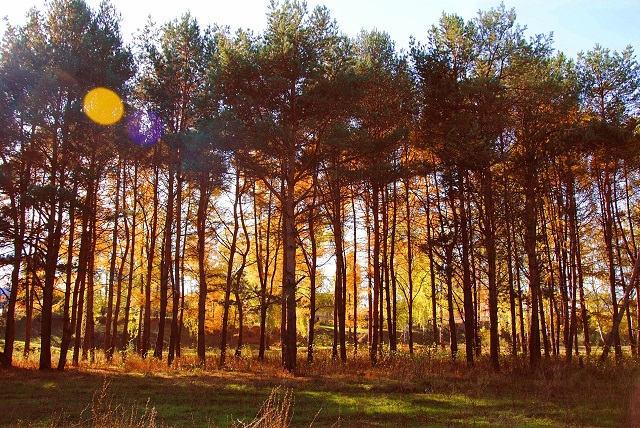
x,y
105,412
428,379
276,411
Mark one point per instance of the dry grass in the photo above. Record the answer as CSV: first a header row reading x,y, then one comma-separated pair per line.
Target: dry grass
x,y
428,388
105,412
276,411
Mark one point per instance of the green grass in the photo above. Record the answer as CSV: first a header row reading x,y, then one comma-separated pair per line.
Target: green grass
x,y
399,392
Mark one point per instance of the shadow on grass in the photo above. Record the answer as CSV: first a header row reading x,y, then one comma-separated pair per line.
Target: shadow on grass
x,y
557,396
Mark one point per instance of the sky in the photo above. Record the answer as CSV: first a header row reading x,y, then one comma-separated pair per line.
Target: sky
x,y
577,25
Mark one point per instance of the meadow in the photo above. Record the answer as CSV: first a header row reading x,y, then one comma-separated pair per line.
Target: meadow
x,y
423,390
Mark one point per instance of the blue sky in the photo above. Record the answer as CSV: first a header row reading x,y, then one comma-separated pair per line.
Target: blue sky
x,y
577,24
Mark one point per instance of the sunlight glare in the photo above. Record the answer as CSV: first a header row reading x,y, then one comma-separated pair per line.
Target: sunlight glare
x,y
103,106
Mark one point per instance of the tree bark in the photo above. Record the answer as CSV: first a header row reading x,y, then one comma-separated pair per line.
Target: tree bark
x,y
112,268
432,267
312,264
238,283
230,274
127,236
375,208
127,307
263,264
88,344
490,246
18,214
354,268
408,214
340,284
607,223
289,282
530,240
467,291
81,274
151,250
625,302
67,327
201,226
393,332
165,265
175,292
510,277
53,231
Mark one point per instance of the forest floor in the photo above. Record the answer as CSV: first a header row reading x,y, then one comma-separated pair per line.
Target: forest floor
x,y
400,391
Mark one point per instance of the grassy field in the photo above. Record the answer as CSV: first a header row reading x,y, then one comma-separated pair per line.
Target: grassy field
x,y
401,391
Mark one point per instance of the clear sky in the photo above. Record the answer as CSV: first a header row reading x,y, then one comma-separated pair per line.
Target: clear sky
x,y
577,25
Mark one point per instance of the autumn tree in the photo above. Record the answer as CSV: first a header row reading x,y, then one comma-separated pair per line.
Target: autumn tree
x,y
177,66
275,87
443,69
610,93
22,58
83,50
380,124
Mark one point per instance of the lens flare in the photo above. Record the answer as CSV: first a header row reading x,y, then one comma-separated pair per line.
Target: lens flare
x,y
103,106
145,127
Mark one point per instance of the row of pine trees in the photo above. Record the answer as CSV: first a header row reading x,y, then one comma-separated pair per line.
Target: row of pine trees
x,y
480,180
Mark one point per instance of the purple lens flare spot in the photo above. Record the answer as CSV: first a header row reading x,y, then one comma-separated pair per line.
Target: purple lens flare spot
x,y
145,127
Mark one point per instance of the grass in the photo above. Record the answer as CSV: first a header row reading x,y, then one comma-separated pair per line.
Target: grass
x,y
419,391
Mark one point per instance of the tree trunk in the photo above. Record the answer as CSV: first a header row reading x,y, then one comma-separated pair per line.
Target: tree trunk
x,y
28,298
132,236
18,211
432,267
558,324
368,228
373,352
201,226
312,263
175,293
88,344
127,236
81,274
263,263
151,249
453,333
354,268
67,327
141,311
230,275
510,280
165,266
543,323
112,269
386,277
625,302
393,332
490,245
530,240
554,339
607,217
467,291
53,231
289,283
523,337
340,285
408,214
238,286
574,250
182,283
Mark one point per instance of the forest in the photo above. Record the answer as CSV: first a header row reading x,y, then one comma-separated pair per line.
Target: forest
x,y
297,189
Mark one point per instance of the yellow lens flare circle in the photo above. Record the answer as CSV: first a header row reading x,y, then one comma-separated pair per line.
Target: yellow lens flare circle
x,y
103,106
